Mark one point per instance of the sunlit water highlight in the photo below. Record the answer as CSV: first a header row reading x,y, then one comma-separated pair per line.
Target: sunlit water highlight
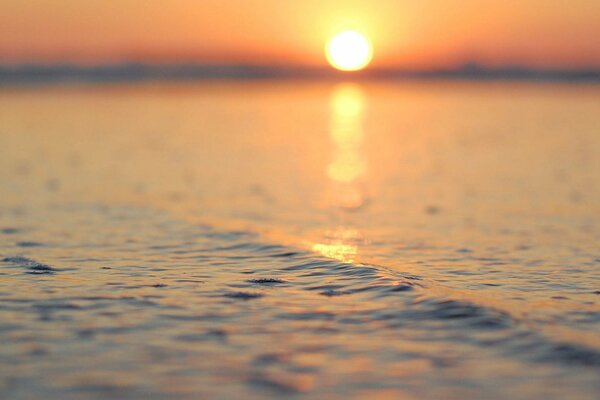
x,y
414,240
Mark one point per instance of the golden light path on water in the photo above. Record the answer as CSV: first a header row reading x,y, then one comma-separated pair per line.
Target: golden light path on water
x,y
347,169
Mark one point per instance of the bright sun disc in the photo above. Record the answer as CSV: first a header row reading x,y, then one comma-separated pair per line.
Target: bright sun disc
x,y
349,51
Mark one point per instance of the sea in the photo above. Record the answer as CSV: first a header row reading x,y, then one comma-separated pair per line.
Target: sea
x,y
251,239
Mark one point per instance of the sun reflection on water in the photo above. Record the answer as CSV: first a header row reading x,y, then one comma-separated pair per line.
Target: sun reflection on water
x,y
340,243
348,166
338,251
347,170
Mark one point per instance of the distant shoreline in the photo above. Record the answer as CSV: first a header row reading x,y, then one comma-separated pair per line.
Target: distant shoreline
x,y
134,72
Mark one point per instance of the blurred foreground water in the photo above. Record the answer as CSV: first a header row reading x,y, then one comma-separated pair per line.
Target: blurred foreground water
x,y
322,241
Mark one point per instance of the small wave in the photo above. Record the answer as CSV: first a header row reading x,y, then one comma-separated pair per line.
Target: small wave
x,y
32,267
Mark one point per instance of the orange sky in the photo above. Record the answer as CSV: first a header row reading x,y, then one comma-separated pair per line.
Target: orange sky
x,y
417,33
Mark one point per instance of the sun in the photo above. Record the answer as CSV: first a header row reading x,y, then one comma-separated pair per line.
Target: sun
x,y
349,51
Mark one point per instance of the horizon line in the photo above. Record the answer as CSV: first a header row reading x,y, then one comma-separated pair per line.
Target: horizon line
x,y
37,73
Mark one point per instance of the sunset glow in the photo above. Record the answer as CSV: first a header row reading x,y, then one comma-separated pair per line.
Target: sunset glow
x,y
404,35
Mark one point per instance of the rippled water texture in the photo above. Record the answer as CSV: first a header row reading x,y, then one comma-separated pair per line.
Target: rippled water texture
x,y
296,240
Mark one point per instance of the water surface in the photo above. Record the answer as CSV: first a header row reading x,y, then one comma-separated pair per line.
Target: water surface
x,y
229,240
